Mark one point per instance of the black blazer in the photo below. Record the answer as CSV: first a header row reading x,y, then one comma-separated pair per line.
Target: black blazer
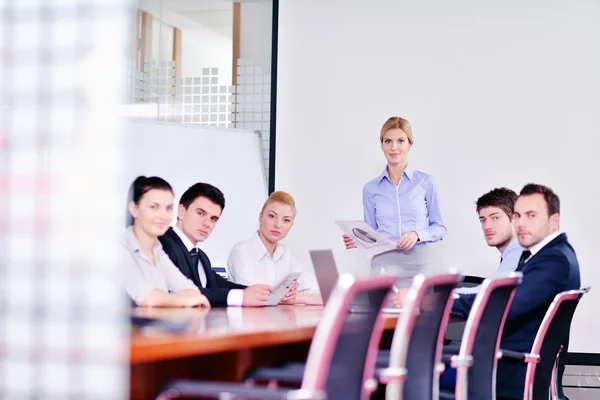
x,y
550,271
217,288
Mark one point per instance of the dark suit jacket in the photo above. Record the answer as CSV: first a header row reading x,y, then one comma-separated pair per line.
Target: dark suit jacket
x,y
217,288
552,270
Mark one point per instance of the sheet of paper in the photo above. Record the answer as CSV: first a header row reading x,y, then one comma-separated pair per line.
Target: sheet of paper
x,y
366,238
282,288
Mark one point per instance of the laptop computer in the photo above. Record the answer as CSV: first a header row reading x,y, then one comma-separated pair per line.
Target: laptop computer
x,y
327,276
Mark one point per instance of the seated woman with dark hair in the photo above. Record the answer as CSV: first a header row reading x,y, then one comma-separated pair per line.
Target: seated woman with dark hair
x,y
149,276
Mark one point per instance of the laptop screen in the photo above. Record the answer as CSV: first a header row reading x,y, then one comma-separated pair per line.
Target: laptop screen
x,y
325,270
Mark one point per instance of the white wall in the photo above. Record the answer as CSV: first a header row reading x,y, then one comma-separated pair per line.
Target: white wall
x,y
202,48
256,23
499,94
162,41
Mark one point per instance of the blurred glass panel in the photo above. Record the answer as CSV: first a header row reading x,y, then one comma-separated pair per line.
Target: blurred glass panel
x,y
203,62
61,81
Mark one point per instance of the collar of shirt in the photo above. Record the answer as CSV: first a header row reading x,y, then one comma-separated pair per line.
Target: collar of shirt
x,y
133,244
409,172
512,246
540,245
260,251
186,241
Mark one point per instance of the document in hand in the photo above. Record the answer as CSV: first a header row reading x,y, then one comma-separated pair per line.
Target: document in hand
x,y
366,238
280,290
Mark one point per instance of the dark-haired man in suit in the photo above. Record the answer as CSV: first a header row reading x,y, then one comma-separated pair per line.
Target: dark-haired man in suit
x,y
549,266
199,210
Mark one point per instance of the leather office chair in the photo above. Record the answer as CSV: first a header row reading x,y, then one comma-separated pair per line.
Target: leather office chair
x,y
475,357
412,366
341,359
540,378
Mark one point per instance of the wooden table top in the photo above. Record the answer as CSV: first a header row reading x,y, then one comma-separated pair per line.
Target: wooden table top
x,y
224,329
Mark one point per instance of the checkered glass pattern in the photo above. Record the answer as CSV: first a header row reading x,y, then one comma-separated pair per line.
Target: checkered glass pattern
x,y
253,103
62,328
156,94
201,100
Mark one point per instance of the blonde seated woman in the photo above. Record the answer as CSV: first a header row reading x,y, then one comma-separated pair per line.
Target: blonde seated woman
x,y
263,260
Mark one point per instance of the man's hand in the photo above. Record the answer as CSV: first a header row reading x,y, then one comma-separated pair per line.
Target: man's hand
x,y
256,295
290,296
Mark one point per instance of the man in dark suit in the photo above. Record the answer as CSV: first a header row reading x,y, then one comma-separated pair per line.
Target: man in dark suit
x,y
549,266
199,210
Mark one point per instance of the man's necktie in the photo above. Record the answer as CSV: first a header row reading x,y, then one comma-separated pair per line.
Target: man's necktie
x,y
196,263
524,256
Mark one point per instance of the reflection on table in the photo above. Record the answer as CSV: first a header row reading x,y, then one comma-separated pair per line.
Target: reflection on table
x,y
196,331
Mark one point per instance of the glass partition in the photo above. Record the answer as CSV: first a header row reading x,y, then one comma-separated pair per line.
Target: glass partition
x,y
203,62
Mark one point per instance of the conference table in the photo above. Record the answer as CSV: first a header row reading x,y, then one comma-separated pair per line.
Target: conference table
x,y
218,344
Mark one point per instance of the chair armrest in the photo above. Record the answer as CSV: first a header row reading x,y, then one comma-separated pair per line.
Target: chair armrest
x,y
289,373
388,375
191,389
513,355
383,359
447,358
294,365
452,348
472,279
445,395
517,355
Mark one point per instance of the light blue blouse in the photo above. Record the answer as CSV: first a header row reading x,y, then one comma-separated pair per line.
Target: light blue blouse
x,y
413,205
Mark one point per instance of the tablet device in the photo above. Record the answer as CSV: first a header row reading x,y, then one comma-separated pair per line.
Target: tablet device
x,y
282,288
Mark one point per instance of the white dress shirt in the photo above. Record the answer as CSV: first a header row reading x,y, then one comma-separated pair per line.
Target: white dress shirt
x,y
250,263
235,297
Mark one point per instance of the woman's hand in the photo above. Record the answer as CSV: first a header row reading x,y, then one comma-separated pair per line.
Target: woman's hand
x,y
348,242
407,241
399,297
290,296
197,300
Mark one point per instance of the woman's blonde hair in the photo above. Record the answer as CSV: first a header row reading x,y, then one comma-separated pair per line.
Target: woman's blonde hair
x,y
397,123
280,197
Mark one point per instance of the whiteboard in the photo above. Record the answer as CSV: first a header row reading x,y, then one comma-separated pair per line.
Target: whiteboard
x,y
230,159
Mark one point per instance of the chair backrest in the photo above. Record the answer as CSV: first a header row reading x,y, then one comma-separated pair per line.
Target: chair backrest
x,y
341,360
455,331
550,336
476,379
419,337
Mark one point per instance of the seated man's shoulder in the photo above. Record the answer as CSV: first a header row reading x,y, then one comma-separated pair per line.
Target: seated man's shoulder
x,y
552,255
555,262
561,251
165,239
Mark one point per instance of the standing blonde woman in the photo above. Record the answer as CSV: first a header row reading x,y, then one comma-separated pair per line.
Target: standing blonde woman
x,y
403,204
263,260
